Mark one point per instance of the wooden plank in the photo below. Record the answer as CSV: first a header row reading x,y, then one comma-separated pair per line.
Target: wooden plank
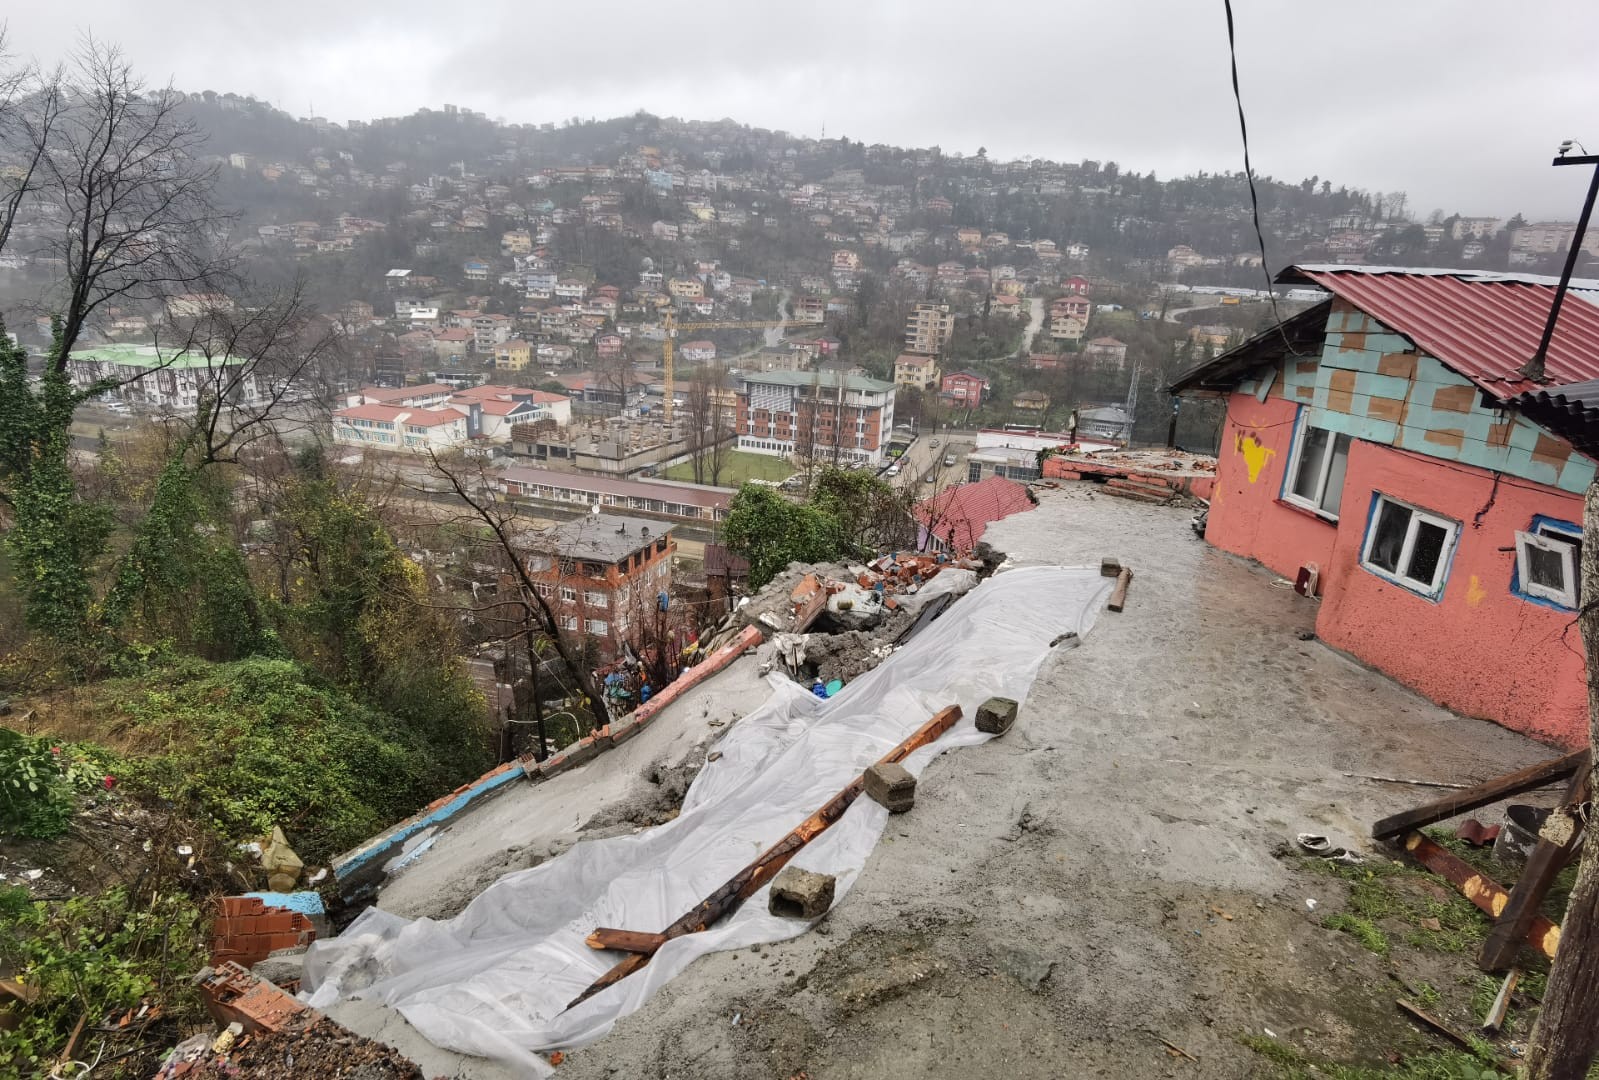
x,y
1543,866
1534,776
630,941
1501,1006
765,867
1483,891
1428,1020
1118,598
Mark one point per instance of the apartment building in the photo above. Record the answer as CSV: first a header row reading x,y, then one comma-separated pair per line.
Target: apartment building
x,y
916,371
828,414
147,376
399,427
928,329
602,574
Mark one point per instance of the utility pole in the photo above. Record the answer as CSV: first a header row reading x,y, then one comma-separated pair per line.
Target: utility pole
x,y
1534,368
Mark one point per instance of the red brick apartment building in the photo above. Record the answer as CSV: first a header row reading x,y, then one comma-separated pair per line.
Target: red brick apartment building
x,y
602,575
818,412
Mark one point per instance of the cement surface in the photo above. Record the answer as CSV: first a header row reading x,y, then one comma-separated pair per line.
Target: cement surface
x,y
531,822
1050,906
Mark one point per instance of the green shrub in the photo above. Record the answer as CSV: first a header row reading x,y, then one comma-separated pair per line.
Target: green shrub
x,y
255,743
91,957
40,782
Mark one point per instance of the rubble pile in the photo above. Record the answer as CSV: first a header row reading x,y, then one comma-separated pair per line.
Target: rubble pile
x,y
830,623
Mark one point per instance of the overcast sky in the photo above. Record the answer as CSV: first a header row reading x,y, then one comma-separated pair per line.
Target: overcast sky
x,y
1459,102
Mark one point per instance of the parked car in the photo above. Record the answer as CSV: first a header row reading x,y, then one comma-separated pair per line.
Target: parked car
x,y
949,459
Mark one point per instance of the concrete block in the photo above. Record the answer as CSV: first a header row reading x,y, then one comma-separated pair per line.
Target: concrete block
x,y
1109,567
996,715
281,967
801,894
891,786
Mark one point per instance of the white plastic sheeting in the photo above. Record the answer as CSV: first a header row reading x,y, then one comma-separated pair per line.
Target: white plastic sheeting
x,y
495,980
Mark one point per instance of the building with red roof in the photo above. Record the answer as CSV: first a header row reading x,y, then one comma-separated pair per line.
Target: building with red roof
x,y
1378,449
956,518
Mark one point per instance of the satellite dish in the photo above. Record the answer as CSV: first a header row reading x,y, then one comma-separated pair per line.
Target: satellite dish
x,y
595,509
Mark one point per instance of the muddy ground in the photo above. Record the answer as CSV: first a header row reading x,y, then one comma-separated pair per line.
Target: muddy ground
x,y
1058,901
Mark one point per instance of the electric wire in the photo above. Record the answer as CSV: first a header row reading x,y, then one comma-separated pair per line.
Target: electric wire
x,y
1249,174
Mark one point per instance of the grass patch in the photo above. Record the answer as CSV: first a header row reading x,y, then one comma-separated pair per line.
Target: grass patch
x,y
1390,898
1293,1064
738,467
1368,933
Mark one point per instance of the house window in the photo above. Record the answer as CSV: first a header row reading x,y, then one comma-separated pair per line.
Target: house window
x,y
596,599
1549,562
568,593
1316,472
1409,546
597,626
568,622
543,588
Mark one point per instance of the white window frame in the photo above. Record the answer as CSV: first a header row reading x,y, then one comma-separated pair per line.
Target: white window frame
x,y
596,599
1537,538
568,594
568,622
1432,590
597,626
1296,459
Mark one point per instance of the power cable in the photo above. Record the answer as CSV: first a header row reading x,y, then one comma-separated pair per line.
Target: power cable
x,y
1249,174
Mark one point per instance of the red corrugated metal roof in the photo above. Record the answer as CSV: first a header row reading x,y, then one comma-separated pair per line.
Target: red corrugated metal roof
x,y
1484,327
970,508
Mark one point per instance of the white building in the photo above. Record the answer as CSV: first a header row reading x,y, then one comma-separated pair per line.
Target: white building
x,y
392,427
163,380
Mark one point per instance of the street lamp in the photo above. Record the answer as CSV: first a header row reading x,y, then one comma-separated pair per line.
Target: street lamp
x,y
1533,369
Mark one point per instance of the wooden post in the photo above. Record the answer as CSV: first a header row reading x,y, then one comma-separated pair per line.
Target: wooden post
x,y
1527,896
1480,889
1118,598
1491,791
749,880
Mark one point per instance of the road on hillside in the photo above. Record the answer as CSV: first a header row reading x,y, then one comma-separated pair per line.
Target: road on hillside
x,y
1035,322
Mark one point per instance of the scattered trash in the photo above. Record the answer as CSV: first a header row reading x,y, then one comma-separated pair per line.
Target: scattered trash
x,y
31,875
737,1017
185,850
714,755
1214,910
1316,845
226,1040
557,1057
1311,905
1270,1034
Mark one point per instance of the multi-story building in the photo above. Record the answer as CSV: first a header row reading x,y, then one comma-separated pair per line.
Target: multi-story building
x,y
1549,237
489,331
147,376
399,427
828,415
928,328
602,574
964,389
915,370
513,354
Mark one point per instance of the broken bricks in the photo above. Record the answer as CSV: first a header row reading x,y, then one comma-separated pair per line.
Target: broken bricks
x,y
801,894
890,785
996,715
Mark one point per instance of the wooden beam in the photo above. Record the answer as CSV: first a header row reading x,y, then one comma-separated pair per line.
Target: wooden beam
x,y
1533,776
1118,598
1481,890
749,880
1526,897
629,941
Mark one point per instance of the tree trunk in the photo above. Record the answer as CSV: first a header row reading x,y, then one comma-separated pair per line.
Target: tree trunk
x,y
540,747
1566,1037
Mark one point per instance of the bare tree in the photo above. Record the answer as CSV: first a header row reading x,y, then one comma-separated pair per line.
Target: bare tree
x,y
30,103
124,203
475,488
699,407
724,424
1565,1040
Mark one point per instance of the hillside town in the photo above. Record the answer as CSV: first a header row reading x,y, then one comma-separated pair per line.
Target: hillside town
x,y
656,597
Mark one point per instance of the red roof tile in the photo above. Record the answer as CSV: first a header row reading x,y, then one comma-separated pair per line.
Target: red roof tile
x,y
1484,326
970,508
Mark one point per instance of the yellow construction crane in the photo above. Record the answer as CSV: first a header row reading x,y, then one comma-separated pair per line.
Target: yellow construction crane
x,y
672,326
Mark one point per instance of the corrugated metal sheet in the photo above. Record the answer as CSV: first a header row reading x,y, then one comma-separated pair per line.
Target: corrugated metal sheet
x,y
1570,411
1483,326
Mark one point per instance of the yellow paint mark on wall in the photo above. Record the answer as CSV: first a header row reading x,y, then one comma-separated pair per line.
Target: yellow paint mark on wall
x,y
1255,455
1475,593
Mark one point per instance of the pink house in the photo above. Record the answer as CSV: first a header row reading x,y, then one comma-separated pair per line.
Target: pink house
x,y
608,346
1076,284
1386,445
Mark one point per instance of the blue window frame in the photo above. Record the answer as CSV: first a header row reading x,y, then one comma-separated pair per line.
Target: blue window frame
x,y
1548,566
